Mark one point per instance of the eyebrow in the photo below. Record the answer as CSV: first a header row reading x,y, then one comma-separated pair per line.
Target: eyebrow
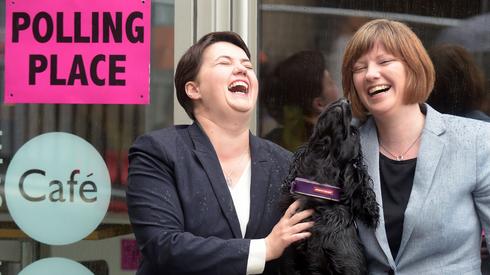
x,y
230,58
381,55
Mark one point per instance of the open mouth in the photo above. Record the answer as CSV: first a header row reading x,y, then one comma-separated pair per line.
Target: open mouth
x,y
378,89
238,87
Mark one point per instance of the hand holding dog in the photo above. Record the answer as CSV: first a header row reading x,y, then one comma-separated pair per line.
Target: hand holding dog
x,y
288,230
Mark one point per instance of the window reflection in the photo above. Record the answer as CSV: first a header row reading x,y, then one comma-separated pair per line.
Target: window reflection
x,y
460,84
294,94
291,26
288,27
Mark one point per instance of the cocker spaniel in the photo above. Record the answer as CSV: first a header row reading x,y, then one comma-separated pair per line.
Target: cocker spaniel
x,y
328,175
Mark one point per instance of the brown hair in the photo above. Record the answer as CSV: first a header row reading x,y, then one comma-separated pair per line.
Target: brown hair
x,y
295,81
190,64
460,84
398,40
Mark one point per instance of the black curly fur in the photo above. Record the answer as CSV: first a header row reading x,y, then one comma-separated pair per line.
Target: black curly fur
x,y
332,155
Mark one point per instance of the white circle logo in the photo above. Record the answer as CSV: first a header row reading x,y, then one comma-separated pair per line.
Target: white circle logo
x,y
55,266
57,188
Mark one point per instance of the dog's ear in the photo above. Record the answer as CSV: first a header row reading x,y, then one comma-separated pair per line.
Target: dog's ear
x,y
359,188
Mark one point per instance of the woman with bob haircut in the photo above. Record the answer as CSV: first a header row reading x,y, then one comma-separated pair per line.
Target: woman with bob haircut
x,y
203,198
431,171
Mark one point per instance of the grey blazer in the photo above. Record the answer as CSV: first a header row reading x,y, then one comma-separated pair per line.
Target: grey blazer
x,y
449,204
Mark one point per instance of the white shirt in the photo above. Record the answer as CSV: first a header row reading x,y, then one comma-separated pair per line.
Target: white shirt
x,y
240,194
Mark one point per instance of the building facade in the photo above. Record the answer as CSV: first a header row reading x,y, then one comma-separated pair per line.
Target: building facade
x,y
274,30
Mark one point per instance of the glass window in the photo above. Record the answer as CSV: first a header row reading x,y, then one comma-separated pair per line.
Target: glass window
x,y
287,104
110,129
301,40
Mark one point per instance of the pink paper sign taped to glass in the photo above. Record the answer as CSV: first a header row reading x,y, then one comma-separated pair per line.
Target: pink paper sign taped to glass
x,y
130,254
77,51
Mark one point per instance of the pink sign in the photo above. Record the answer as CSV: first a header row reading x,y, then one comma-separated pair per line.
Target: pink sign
x,y
77,51
130,254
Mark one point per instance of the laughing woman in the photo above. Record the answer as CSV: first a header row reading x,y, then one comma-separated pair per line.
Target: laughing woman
x,y
431,171
203,198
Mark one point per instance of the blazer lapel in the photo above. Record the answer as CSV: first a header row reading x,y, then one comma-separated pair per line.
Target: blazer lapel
x,y
430,152
370,147
206,154
259,185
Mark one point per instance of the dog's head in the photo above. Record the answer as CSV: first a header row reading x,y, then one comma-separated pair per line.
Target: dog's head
x,y
333,156
334,134
332,148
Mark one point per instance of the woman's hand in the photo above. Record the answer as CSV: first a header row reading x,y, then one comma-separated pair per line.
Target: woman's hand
x,y
288,230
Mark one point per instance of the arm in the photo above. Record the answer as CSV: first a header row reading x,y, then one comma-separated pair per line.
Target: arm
x,y
288,230
156,215
482,192
158,222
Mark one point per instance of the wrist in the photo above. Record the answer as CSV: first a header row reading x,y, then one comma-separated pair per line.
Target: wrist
x,y
269,251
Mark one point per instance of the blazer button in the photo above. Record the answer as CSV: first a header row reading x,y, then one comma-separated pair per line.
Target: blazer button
x,y
390,272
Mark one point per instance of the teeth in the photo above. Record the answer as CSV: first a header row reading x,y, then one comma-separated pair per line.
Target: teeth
x,y
238,87
238,83
378,88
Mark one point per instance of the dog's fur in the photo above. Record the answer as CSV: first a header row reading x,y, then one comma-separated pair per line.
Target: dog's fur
x,y
333,156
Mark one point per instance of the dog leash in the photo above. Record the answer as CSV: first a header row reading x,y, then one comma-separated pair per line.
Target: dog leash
x,y
314,189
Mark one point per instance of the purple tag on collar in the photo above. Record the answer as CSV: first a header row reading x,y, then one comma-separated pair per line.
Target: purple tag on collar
x,y
314,189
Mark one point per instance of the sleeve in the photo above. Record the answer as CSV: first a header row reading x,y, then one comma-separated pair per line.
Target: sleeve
x,y
256,257
158,223
482,191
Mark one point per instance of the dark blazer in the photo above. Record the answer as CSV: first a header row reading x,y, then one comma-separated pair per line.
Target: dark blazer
x,y
180,207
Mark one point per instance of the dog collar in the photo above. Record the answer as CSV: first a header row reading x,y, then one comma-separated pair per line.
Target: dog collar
x,y
314,189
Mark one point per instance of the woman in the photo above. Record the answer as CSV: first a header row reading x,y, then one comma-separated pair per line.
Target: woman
x,y
296,92
202,198
431,171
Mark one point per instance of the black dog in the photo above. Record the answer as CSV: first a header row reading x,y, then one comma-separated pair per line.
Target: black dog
x,y
332,156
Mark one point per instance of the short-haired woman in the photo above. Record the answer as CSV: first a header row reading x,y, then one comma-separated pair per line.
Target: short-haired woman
x,y
203,198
